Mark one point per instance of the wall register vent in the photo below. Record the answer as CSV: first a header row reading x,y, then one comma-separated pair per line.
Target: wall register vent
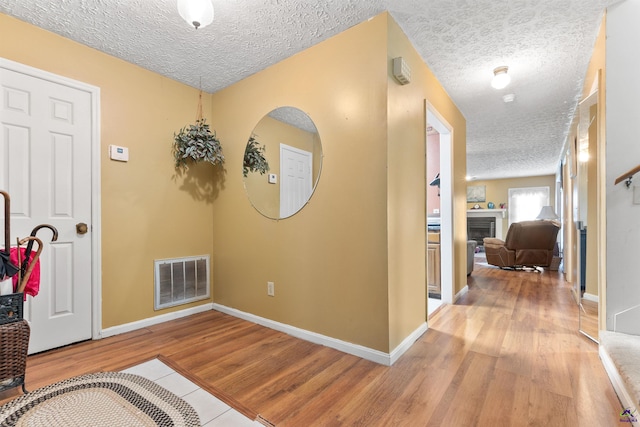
x,y
181,281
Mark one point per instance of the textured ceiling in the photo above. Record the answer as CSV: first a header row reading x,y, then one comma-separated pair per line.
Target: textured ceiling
x,y
546,44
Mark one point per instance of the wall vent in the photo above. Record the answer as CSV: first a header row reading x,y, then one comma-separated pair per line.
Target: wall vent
x,y
181,280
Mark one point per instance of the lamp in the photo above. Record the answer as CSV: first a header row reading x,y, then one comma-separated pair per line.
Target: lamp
x,y
547,213
435,182
198,13
500,77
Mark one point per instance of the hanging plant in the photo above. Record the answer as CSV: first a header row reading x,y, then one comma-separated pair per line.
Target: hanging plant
x,y
196,143
254,160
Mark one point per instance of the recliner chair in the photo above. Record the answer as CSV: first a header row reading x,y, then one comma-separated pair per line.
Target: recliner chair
x,y
528,244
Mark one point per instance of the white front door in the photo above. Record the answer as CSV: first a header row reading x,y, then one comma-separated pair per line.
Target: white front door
x,y
295,179
46,161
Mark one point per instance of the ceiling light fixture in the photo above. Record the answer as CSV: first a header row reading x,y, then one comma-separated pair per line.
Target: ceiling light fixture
x,y
197,13
500,77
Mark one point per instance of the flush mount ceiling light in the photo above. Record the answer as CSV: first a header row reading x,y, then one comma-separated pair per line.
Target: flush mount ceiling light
x,y
500,77
197,13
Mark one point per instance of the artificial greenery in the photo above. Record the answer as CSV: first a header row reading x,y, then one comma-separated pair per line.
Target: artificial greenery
x,y
196,143
254,160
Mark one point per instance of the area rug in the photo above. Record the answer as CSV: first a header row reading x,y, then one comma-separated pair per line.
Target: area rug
x,y
101,399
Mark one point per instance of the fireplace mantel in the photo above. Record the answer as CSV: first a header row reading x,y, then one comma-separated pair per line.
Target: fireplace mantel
x,y
498,214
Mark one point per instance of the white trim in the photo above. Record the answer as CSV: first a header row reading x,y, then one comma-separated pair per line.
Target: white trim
x,y
590,297
346,347
144,323
407,343
460,294
447,248
96,228
616,381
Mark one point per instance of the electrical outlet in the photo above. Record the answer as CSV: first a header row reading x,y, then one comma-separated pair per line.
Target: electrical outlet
x,y
271,289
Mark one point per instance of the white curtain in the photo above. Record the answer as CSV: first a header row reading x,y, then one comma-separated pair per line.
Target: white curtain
x,y
525,203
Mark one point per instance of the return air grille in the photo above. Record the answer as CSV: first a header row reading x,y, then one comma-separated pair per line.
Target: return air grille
x,y
181,280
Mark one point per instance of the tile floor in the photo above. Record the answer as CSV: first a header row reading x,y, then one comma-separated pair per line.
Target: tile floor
x,y
212,412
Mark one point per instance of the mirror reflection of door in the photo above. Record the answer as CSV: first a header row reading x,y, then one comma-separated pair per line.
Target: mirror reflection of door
x,y
282,162
295,179
587,217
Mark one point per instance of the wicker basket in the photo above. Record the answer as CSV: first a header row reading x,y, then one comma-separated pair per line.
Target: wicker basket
x,y
14,344
11,307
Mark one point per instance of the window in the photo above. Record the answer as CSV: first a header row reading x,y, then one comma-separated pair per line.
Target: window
x,y
525,203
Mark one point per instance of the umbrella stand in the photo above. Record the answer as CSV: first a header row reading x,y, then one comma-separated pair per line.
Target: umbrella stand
x,y
14,330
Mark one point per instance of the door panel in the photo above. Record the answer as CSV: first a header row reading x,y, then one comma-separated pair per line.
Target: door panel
x,y
45,156
295,179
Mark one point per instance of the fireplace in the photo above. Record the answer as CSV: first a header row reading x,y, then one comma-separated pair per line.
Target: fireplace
x,y
480,227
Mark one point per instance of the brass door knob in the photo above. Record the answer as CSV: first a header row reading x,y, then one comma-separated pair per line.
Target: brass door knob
x,y
81,228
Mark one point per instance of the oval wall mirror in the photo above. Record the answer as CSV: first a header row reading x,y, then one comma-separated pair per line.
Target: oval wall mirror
x,y
282,162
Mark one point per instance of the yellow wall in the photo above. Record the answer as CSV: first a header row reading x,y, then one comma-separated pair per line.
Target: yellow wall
x,y
352,260
595,186
497,191
407,181
351,264
147,212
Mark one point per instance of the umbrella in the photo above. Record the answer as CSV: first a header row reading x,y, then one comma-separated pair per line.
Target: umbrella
x,y
24,277
7,268
27,253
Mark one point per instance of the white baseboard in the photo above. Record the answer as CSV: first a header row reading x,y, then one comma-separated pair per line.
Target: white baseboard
x,y
346,347
407,343
617,382
461,293
128,327
591,297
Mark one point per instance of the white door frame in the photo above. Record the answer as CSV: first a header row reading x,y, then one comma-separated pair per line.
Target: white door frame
x,y
446,202
96,254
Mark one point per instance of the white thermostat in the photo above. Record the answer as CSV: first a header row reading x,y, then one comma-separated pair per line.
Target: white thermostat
x,y
118,153
273,178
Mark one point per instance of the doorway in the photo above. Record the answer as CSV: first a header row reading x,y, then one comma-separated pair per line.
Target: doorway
x,y
439,239
50,158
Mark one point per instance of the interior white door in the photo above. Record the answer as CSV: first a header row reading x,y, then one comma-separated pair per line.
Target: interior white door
x,y
295,179
45,156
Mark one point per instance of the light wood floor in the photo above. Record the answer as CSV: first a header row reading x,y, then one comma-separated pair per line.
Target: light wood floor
x,y
508,353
